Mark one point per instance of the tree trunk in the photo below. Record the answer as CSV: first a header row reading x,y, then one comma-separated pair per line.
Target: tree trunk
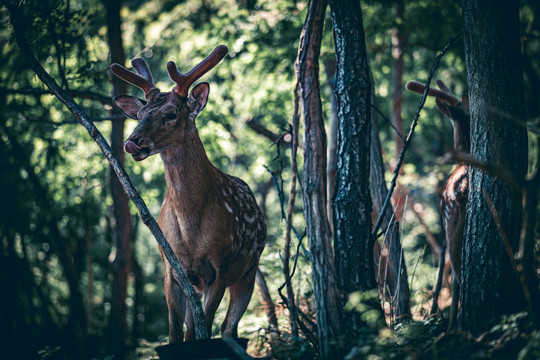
x,y
118,329
498,136
399,195
330,67
314,182
353,243
397,74
396,277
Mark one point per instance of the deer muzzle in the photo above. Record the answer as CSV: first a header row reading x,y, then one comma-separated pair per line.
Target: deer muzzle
x,y
138,153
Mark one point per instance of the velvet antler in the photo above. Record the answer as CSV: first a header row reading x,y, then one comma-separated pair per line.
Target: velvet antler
x,y
144,80
184,81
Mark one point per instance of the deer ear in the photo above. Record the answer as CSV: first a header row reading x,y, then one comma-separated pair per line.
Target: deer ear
x,y
198,98
129,105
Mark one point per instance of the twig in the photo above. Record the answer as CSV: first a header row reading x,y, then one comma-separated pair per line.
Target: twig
x,y
286,270
407,142
262,130
429,235
493,169
421,257
179,274
388,121
282,206
83,94
518,270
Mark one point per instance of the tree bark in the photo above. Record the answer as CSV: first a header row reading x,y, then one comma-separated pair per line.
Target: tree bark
x,y
498,136
397,76
330,67
314,182
118,338
353,243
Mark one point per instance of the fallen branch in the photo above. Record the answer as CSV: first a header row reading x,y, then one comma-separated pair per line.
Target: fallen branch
x,y
201,331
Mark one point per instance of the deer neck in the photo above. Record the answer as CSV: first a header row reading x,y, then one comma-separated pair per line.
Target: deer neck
x,y
189,174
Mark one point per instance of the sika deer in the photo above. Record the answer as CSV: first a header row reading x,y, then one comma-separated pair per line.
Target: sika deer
x,y
211,219
456,190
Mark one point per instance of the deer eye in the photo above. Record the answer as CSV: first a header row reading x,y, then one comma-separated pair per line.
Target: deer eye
x,y
171,116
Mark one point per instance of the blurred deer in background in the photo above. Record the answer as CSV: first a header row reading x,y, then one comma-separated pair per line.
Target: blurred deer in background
x,y
211,219
454,196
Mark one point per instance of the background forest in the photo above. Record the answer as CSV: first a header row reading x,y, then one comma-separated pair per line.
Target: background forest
x,y
70,240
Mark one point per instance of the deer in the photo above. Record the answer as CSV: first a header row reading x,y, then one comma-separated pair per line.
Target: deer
x,y
453,202
211,219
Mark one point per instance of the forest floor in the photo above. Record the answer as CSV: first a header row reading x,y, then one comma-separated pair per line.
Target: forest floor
x,y
512,338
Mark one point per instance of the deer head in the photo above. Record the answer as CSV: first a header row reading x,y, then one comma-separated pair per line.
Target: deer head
x,y
454,109
164,118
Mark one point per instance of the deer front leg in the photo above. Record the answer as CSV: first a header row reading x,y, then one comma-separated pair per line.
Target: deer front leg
x,y
240,294
176,303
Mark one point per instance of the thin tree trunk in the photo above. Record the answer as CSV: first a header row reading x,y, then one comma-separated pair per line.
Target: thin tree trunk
x,y
397,75
314,182
498,136
121,265
402,309
399,196
330,70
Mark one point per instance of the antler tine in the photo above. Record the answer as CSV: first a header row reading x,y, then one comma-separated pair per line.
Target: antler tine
x,y
417,87
144,80
143,70
184,81
443,87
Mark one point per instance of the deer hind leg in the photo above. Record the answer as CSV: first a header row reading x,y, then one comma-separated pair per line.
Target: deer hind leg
x,y
452,324
212,297
240,294
176,303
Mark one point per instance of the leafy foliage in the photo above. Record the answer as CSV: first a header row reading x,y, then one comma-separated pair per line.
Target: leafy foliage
x,y
57,208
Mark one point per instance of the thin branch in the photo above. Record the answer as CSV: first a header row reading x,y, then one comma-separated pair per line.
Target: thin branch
x,y
429,235
398,133
517,268
294,168
495,170
82,94
148,220
264,131
407,142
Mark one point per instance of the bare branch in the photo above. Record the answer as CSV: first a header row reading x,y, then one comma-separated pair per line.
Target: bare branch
x,y
290,293
264,131
82,94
